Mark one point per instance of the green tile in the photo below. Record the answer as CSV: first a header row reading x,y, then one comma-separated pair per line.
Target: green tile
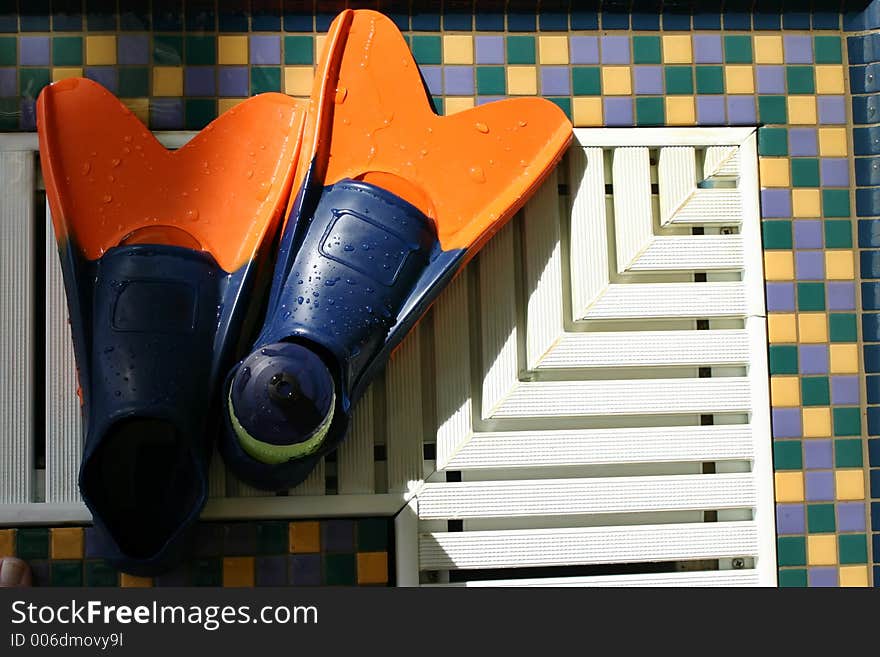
x,y
679,80
586,81
299,50
100,573
8,55
520,50
265,79
800,80
134,82
9,111
201,50
842,327
835,202
805,172
427,49
67,51
848,453
847,421
372,535
437,101
649,111
646,50
827,49
787,455
791,551
772,141
491,81
31,81
167,50
820,518
207,572
783,359
272,537
838,234
563,103
792,578
852,548
710,80
67,573
340,570
738,49
810,296
199,112
814,391
32,543
771,109
777,234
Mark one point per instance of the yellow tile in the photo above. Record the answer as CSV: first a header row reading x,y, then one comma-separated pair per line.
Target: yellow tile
x,y
522,80
587,111
616,81
789,486
853,576
781,328
774,172
839,265
816,422
553,49
298,80
806,202
778,266
680,110
133,581
7,542
849,484
844,358
66,542
458,49
829,79
739,79
238,571
813,327
305,537
677,49
768,49
456,105
822,550
785,391
802,110
320,40
372,568
832,142
100,50
226,104
232,50
64,72
140,107
167,81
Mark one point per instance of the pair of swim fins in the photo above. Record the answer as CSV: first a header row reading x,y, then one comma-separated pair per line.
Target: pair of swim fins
x,y
370,202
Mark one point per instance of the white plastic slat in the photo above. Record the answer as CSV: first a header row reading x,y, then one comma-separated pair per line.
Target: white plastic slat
x,y
669,300
633,207
587,545
647,349
63,417
403,394
216,475
354,464
691,252
549,448
676,178
588,236
558,497
16,326
711,206
621,397
721,161
315,483
704,578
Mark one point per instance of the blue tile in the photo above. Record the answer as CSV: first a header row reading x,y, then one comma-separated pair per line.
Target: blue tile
x,y
553,21
867,171
869,233
863,79
826,20
101,15
870,296
643,21
868,202
167,15
612,20
875,514
871,327
231,18
875,492
67,16
871,355
875,544
796,20
873,427
584,20
867,19
489,22
676,21
872,386
135,15
266,20
294,22
870,264
767,21
737,20
425,21
866,141
707,21
200,16
458,21
36,18
322,21
866,109
401,20
863,49
874,452
521,22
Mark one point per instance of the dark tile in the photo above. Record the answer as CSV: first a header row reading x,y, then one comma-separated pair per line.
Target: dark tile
x,y
337,535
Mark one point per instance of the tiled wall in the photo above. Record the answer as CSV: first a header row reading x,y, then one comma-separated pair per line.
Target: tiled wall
x,y
783,71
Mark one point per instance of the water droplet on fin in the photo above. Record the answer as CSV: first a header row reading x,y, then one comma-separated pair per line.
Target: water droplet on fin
x,y
477,174
86,167
481,127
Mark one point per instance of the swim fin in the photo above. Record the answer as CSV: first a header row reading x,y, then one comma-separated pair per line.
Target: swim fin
x,y
160,252
390,201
